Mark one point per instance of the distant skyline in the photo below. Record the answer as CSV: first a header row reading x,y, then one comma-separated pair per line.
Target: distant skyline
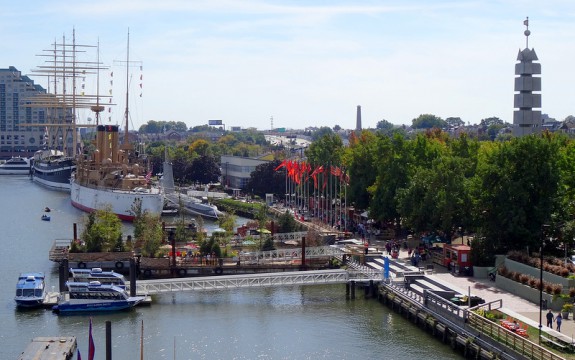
x,y
307,63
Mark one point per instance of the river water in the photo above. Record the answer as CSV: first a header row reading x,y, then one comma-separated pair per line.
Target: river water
x,y
312,322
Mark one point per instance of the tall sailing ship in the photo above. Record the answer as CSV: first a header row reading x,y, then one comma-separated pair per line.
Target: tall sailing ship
x,y
115,176
53,165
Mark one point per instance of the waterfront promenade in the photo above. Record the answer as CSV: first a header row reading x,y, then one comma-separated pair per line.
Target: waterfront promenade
x,y
512,305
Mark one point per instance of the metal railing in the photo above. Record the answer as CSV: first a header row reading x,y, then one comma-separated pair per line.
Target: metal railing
x,y
510,339
149,287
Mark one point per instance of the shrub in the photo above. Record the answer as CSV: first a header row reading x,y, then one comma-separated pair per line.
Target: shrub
x,y
503,271
572,292
567,308
564,272
537,284
548,288
516,275
533,282
524,279
557,289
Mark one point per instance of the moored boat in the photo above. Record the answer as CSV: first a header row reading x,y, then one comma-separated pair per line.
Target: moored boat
x,y
30,290
53,170
15,166
97,274
45,217
94,297
194,206
114,178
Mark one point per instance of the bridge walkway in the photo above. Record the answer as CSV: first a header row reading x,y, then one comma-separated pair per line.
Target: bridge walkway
x,y
316,277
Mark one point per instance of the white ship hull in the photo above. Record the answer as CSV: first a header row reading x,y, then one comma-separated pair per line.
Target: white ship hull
x,y
121,201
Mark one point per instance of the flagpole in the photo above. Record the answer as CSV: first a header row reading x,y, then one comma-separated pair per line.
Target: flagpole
x,y
142,342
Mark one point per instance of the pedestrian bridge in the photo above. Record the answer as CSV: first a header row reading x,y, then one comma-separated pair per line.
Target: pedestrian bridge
x,y
316,277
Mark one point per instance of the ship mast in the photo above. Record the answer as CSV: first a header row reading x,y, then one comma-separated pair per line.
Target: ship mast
x,y
127,146
62,106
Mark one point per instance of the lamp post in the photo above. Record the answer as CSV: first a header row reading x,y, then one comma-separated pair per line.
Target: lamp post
x,y
543,227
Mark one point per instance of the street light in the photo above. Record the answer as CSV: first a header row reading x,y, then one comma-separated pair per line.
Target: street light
x,y
543,227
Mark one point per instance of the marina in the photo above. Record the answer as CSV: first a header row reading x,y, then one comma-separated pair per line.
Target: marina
x,y
240,318
416,294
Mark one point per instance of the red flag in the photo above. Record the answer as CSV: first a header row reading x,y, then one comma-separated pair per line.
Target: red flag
x,y
148,176
91,346
283,164
317,170
335,171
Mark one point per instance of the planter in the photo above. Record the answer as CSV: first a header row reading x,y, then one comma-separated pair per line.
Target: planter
x,y
565,315
513,265
528,293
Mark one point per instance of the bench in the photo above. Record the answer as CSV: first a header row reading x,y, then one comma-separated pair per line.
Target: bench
x,y
553,342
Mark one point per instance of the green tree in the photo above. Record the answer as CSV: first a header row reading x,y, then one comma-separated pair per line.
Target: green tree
x,y
268,244
286,223
359,160
152,234
265,180
428,121
200,147
392,174
102,228
147,230
326,150
321,132
384,125
515,191
454,122
227,221
204,170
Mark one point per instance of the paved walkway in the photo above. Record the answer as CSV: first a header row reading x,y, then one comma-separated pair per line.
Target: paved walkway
x,y
487,290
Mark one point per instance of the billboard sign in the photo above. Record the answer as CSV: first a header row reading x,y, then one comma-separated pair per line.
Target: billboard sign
x,y
214,122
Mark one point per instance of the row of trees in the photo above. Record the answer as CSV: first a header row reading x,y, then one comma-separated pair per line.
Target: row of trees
x,y
503,191
102,232
197,159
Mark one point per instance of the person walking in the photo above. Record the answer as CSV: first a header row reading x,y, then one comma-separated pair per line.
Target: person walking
x,y
558,320
550,319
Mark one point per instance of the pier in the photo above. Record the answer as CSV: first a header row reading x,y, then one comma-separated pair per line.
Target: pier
x,y
50,348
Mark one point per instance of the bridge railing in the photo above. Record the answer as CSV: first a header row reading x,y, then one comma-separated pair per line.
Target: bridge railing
x,y
288,254
149,287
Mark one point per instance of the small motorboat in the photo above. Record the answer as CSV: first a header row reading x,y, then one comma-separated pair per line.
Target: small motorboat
x,y
47,209
30,290
45,217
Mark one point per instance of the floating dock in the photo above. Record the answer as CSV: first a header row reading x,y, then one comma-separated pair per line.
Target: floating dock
x,y
50,348
51,299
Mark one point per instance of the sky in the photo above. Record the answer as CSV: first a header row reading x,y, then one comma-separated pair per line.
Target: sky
x,y
295,64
